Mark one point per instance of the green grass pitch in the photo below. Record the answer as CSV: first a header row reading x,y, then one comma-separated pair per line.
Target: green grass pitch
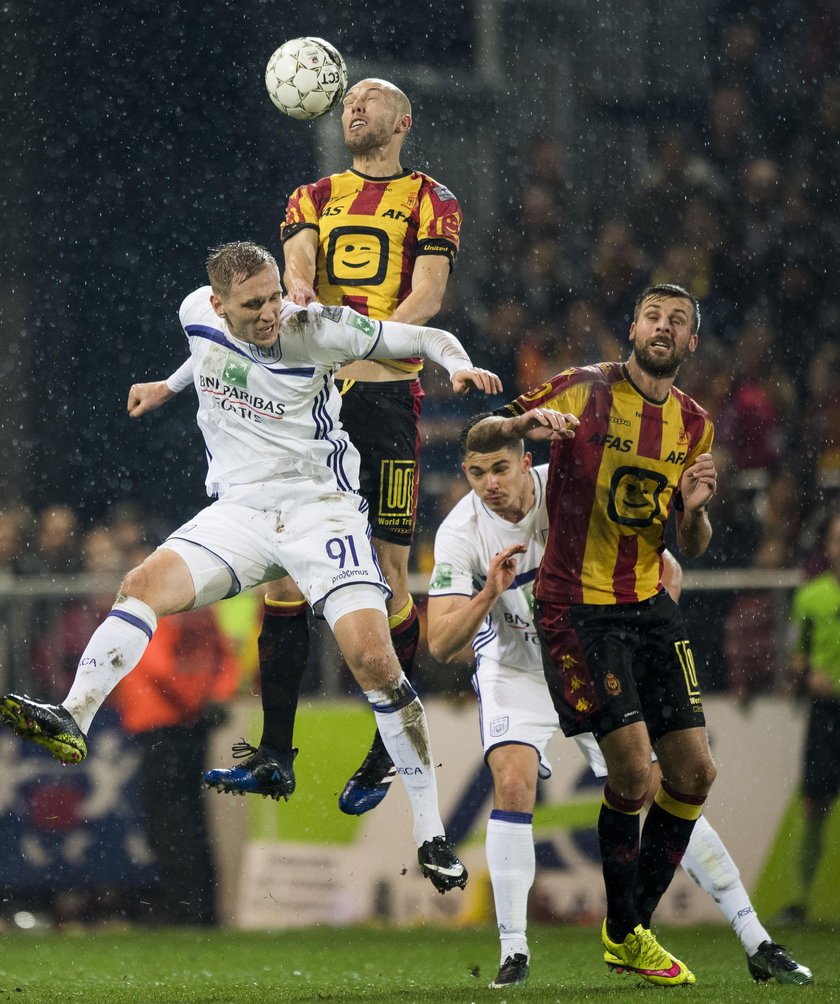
x,y
416,965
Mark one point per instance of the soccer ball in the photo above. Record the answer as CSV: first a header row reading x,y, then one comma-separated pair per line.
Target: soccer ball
x,y
306,77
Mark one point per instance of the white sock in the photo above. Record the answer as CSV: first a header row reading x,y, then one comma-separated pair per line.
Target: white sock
x,y
114,649
708,862
402,725
512,864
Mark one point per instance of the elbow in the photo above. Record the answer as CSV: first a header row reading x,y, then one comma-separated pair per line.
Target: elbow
x,y
440,653
694,548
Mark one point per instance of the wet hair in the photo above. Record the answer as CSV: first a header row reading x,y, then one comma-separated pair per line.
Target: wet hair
x,y
236,262
518,446
664,290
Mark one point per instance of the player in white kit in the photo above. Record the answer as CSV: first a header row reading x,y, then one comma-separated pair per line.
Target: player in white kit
x,y
487,552
284,474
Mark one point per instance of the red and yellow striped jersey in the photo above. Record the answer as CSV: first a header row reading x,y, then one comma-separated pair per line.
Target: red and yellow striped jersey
x,y
610,489
370,232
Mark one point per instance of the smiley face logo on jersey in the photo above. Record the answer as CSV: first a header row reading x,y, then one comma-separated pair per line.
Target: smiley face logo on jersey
x,y
357,256
634,496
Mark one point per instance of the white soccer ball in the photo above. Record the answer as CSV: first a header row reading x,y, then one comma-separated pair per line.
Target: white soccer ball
x,y
306,77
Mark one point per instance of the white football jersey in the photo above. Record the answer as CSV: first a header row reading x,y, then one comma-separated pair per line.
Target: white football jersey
x,y
268,413
465,544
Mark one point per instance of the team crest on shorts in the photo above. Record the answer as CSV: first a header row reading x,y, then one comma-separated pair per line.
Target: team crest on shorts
x,y
499,726
612,685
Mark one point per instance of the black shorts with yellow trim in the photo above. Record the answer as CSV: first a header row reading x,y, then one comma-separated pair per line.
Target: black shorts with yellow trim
x,y
382,421
612,665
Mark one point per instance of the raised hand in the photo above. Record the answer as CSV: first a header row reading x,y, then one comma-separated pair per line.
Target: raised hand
x,y
143,397
699,482
483,380
544,424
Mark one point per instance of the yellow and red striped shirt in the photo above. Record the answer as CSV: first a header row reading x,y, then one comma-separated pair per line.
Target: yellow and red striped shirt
x,y
370,233
611,488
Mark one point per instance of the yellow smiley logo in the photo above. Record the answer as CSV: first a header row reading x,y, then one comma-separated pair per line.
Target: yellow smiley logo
x,y
634,496
357,256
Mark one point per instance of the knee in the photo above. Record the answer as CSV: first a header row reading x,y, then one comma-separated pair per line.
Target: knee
x,y
709,774
704,776
697,779
374,668
514,792
629,779
284,591
136,582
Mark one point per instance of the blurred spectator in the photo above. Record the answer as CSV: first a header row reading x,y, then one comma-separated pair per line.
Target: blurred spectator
x,y
676,172
731,133
57,537
536,216
540,217
544,351
819,50
64,634
821,416
549,167
11,545
463,314
753,627
686,264
619,269
796,280
738,60
753,417
779,510
169,703
501,336
545,278
590,339
128,531
16,557
755,230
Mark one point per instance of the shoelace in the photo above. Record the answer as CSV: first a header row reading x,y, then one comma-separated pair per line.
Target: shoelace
x,y
242,749
653,954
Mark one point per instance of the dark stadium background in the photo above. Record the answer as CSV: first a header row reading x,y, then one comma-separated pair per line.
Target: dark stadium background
x,y
136,137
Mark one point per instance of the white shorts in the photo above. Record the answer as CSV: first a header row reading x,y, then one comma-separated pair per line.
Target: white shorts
x,y
257,533
515,707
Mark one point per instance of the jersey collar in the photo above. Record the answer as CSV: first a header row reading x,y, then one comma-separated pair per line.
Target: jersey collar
x,y
641,393
391,177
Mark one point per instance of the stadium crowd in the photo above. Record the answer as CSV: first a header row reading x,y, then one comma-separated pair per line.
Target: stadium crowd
x,y
740,206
